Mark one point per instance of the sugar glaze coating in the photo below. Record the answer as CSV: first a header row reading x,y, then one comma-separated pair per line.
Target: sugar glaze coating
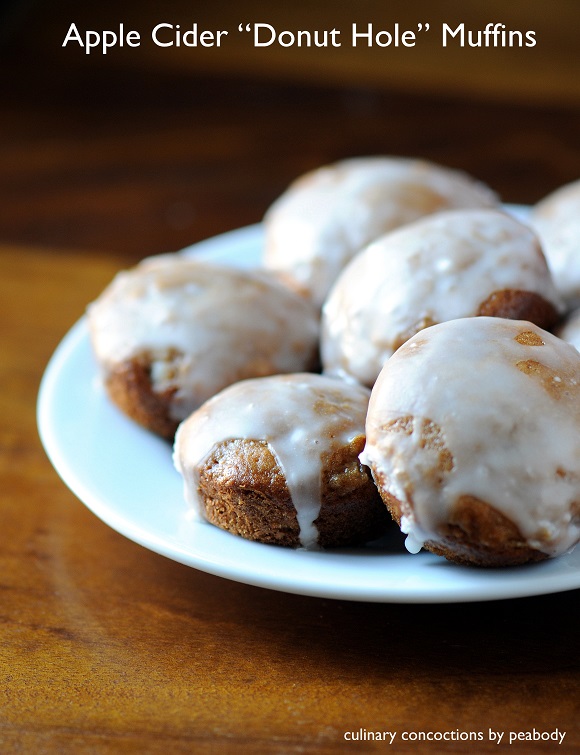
x,y
329,214
483,408
302,417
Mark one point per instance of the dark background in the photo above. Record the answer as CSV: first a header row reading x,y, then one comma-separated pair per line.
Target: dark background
x,y
148,149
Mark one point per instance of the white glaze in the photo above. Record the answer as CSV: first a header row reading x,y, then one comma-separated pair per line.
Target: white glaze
x,y
514,436
206,326
557,222
438,268
328,215
302,418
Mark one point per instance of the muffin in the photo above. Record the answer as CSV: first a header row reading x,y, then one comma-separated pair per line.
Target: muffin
x,y
459,263
275,460
174,331
329,214
557,221
473,439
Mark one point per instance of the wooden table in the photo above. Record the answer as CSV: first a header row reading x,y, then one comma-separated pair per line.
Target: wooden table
x,y
108,647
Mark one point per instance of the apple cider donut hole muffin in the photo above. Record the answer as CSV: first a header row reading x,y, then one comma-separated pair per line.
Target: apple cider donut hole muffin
x,y
275,459
326,216
174,331
459,263
557,220
473,438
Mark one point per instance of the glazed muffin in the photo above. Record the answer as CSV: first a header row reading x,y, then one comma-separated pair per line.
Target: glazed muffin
x,y
557,221
459,263
473,439
174,331
275,460
328,215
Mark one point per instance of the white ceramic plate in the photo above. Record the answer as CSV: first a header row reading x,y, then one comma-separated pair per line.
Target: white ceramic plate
x,y
126,477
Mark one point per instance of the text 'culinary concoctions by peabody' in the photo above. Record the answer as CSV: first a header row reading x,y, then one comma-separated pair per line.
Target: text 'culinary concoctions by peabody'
x,y
555,736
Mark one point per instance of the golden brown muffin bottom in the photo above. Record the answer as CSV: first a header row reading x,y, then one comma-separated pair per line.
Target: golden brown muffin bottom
x,y
243,491
475,535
